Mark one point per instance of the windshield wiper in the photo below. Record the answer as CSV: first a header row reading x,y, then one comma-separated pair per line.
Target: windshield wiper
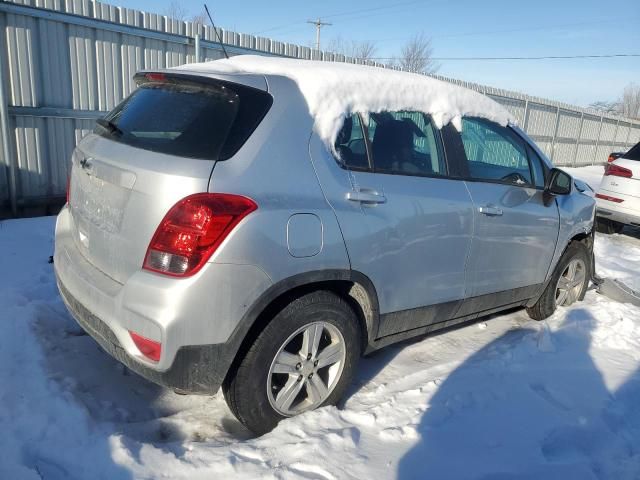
x,y
110,126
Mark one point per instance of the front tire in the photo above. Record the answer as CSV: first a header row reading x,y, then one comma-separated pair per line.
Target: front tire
x,y
568,283
302,360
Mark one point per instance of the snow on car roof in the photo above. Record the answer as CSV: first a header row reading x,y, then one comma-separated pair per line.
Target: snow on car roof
x,y
333,90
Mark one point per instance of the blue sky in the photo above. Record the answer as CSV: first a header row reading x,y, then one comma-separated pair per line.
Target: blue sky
x,y
466,28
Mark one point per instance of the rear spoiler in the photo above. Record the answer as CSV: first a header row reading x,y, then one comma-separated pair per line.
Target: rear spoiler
x,y
183,74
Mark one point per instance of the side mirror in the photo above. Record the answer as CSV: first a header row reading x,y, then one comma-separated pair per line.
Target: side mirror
x,y
558,182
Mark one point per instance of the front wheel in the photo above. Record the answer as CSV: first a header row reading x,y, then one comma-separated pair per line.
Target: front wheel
x,y
568,283
303,359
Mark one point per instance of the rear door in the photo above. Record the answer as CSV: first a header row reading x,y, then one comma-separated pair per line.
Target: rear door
x,y
515,233
158,146
406,225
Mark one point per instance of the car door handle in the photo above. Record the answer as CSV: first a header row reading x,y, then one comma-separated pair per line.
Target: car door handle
x,y
366,196
490,210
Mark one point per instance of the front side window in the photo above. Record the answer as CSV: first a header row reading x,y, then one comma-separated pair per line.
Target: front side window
x,y
495,153
405,143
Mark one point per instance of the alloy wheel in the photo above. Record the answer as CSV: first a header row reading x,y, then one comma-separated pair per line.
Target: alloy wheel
x,y
306,368
570,283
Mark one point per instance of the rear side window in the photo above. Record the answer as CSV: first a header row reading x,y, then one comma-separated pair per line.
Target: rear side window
x,y
187,118
350,144
494,153
405,143
633,154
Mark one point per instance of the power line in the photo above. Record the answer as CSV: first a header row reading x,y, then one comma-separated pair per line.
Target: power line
x,y
462,34
516,30
529,29
279,27
548,57
373,12
367,12
374,9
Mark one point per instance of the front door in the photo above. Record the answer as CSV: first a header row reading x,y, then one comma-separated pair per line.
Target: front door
x,y
515,231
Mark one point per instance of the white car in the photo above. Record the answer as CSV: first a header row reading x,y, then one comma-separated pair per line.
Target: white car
x,y
618,198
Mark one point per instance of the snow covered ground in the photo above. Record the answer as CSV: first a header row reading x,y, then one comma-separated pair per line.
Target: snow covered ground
x,y
501,399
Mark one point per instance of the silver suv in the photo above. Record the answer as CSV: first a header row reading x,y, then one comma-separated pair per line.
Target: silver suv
x,y
212,238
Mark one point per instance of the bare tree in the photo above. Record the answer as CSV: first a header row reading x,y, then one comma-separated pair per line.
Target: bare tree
x,y
200,18
416,54
364,50
179,12
176,10
336,45
604,106
629,103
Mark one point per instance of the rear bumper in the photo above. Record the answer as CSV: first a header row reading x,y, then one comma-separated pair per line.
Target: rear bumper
x,y
627,212
195,369
622,217
194,319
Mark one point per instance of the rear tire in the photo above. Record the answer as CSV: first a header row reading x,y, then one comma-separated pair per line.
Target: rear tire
x,y
604,225
302,360
568,283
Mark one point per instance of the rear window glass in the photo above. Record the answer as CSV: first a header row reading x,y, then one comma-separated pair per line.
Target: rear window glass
x,y
187,118
633,154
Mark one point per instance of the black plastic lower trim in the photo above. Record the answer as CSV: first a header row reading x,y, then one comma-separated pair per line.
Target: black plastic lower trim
x,y
442,315
198,369
405,320
492,302
435,327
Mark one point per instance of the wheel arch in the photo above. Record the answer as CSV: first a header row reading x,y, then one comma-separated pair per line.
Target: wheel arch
x,y
587,239
354,287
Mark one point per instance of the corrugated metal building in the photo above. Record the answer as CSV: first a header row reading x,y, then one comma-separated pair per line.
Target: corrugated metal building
x,y
64,63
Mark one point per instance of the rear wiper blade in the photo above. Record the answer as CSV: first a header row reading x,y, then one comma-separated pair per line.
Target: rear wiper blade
x,y
109,125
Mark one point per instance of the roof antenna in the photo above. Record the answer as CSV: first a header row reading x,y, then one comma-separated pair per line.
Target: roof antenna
x,y
216,32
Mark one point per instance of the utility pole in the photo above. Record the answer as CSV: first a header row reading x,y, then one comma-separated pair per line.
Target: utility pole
x,y
319,24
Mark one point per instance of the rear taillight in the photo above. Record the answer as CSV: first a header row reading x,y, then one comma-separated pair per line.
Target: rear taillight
x,y
192,230
617,171
149,348
609,198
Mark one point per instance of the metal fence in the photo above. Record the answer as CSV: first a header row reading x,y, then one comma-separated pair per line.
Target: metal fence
x,y
63,63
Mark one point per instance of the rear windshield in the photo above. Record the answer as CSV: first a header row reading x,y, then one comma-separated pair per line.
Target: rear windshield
x,y
633,154
187,118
